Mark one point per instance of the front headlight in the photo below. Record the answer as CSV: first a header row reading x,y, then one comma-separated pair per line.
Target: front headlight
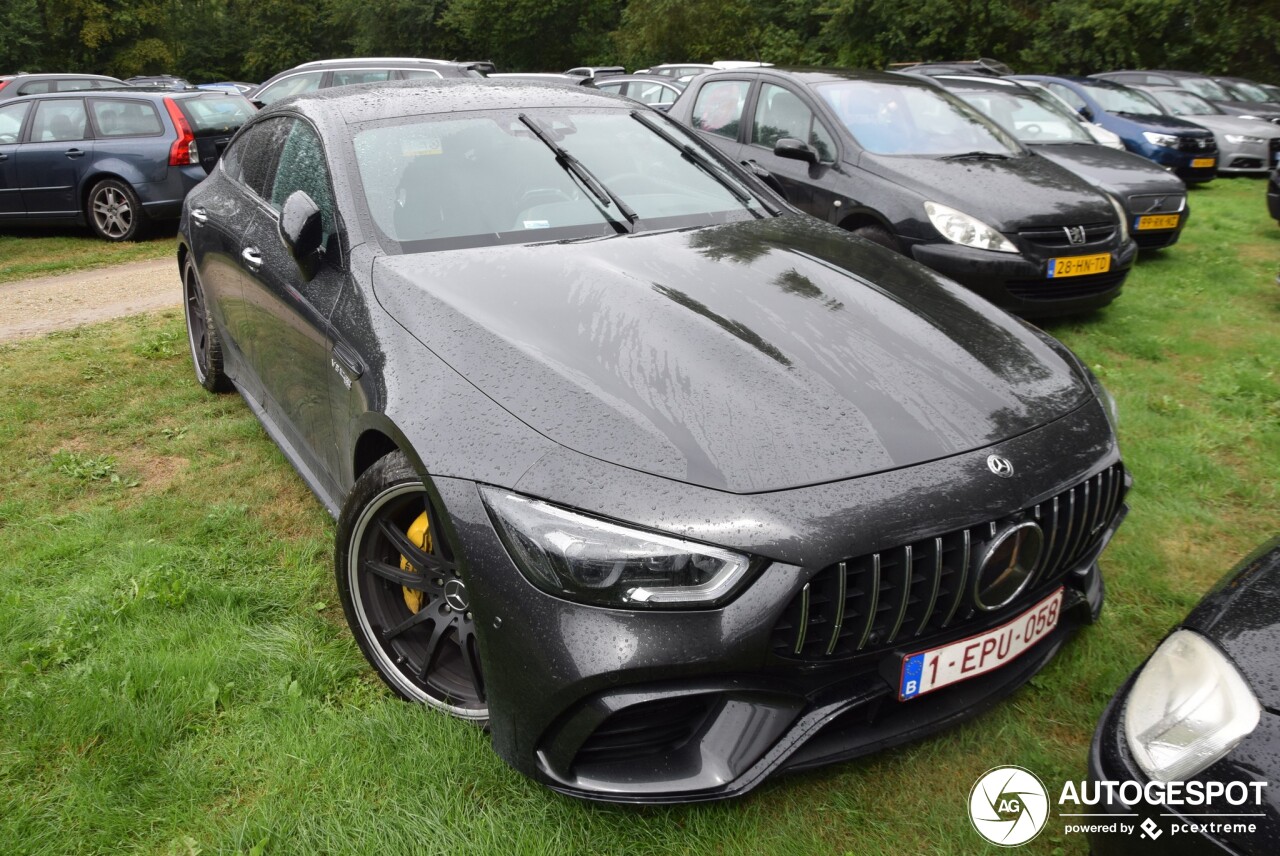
x,y
592,560
1122,215
1166,140
1238,139
1188,708
959,228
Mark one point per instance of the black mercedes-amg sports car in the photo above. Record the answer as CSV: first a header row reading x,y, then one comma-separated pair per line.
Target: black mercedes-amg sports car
x,y
669,483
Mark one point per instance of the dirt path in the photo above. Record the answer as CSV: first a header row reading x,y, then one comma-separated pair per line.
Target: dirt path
x,y
33,307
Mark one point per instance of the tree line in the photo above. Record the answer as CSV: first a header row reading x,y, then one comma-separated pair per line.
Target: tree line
x,y
252,39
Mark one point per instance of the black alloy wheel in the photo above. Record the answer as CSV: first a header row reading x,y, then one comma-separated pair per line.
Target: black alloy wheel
x,y
202,336
404,599
114,212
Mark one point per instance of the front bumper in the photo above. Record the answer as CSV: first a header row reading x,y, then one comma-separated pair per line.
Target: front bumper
x,y
667,706
1244,158
1181,162
1019,282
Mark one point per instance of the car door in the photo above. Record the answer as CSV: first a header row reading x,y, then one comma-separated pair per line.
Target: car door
x,y
717,113
54,156
12,117
289,311
780,112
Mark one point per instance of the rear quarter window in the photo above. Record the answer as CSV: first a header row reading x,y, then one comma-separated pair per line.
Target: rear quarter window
x,y
123,118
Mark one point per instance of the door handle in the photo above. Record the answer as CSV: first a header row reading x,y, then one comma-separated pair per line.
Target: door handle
x,y
74,153
252,257
199,217
4,157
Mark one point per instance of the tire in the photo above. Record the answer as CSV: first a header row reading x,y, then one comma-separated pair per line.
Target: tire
x,y
413,625
877,235
114,212
202,335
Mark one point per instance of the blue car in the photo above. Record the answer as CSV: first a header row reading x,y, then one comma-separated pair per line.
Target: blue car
x,y
1186,149
113,160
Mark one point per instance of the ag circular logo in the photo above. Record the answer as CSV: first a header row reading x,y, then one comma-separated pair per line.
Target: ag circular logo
x,y
1008,806
1005,568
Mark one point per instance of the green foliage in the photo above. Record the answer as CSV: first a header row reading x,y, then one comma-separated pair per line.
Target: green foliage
x,y
253,39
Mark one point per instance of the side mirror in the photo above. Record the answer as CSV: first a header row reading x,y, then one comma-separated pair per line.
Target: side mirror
x,y
302,229
789,147
1086,113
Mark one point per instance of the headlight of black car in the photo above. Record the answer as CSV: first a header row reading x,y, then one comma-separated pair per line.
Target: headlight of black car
x,y
594,561
1188,708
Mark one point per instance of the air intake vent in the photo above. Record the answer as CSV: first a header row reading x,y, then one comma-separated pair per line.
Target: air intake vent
x,y
650,728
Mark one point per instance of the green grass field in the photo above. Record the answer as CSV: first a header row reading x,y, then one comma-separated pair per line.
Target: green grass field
x,y
28,253
176,675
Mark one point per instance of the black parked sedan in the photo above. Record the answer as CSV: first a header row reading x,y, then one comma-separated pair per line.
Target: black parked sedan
x,y
1155,199
672,485
1197,728
898,161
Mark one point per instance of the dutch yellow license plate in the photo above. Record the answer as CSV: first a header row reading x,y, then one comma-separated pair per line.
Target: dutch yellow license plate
x,y
1079,265
1158,221
1199,162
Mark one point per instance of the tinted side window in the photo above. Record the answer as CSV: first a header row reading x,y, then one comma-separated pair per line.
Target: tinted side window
x,y
36,87
348,76
718,109
125,118
780,113
60,120
304,82
11,121
423,73
74,85
257,153
302,167
650,93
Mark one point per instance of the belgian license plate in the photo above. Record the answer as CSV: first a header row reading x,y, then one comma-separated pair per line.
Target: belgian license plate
x,y
926,671
1199,162
1079,265
1157,221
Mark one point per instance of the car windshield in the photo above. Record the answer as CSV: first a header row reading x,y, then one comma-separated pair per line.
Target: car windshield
x,y
1030,116
485,178
907,119
1121,99
1245,91
1205,88
1182,103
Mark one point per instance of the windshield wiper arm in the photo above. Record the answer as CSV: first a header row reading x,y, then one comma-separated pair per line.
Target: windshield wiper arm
x,y
699,160
575,167
975,156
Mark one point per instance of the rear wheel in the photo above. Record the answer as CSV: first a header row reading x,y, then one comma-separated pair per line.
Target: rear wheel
x,y
114,212
202,335
404,600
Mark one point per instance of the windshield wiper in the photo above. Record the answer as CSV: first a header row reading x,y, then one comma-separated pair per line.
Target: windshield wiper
x,y
975,156
699,160
576,168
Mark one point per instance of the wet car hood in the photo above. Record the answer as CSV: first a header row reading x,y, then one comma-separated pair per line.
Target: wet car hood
x,y
1120,172
1242,615
744,357
1023,191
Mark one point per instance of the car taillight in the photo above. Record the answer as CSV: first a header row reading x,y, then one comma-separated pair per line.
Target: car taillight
x,y
3,84
183,151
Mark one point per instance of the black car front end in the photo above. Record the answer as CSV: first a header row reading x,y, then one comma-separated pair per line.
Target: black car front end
x,y
1041,278
1206,780
803,667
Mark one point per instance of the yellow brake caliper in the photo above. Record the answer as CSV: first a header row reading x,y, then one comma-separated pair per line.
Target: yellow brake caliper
x,y
419,533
